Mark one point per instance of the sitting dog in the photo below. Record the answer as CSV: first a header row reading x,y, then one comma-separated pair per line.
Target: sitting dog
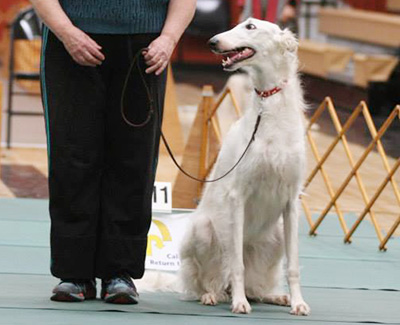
x,y
247,221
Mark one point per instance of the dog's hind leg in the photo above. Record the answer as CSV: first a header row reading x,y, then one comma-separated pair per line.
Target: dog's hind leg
x,y
201,267
291,225
280,300
267,288
209,299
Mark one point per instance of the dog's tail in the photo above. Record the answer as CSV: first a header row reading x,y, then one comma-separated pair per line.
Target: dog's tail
x,y
156,281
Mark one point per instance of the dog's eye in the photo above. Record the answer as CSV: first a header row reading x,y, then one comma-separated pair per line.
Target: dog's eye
x,y
250,26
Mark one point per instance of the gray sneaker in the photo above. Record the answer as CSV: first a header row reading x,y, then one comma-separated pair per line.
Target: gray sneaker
x,y
119,290
74,291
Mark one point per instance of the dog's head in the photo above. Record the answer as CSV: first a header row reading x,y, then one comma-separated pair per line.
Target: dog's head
x,y
255,43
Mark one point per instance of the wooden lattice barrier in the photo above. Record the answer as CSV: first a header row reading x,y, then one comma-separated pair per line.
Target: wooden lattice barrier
x,y
202,148
334,194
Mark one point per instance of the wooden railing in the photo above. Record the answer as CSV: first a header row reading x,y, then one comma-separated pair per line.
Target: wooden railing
x,y
335,194
359,25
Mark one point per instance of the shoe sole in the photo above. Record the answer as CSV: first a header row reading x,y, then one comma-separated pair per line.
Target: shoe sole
x,y
121,298
69,297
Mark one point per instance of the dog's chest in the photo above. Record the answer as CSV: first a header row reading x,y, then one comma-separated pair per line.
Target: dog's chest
x,y
271,175
271,161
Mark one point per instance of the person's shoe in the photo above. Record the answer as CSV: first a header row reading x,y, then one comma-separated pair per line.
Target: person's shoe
x,y
119,290
74,291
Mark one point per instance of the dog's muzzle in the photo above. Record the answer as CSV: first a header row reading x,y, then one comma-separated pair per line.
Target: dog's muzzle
x,y
213,43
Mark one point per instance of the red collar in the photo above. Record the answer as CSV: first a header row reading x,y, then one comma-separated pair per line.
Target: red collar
x,y
273,91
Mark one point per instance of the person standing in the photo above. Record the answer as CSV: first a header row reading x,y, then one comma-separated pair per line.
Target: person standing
x,y
101,170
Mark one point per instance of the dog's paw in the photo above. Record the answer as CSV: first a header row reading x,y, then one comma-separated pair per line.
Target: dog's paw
x,y
280,300
209,299
241,307
300,309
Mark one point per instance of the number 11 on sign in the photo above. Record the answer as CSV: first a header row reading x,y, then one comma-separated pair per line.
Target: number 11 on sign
x,y
162,197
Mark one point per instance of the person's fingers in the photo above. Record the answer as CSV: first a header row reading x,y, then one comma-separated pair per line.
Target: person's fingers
x,y
151,52
96,53
95,44
84,60
94,48
91,59
161,69
79,59
151,69
144,51
92,42
158,55
154,67
154,60
152,57
83,49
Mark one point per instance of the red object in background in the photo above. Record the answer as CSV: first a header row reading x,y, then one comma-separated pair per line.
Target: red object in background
x,y
270,12
374,5
7,7
193,49
6,4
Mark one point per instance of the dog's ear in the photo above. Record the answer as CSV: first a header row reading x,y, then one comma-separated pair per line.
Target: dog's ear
x,y
288,41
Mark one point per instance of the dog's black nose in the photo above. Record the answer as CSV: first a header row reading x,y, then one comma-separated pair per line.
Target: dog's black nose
x,y
212,43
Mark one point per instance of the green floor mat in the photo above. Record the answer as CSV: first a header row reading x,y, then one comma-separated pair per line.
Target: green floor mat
x,y
330,226
24,260
362,248
37,210
328,305
36,233
350,274
24,209
325,260
329,273
62,317
26,222
25,233
32,209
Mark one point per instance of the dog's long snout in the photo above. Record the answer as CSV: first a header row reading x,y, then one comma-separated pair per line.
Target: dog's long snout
x,y
212,43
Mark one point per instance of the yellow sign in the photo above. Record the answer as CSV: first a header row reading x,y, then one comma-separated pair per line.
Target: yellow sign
x,y
159,241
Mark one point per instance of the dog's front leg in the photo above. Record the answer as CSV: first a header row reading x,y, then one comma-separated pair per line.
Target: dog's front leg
x,y
240,305
291,226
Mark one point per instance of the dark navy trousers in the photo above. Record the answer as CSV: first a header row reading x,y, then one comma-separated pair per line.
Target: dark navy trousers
x,y
101,171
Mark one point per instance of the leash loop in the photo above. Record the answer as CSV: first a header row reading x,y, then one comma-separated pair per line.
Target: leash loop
x,y
149,97
151,112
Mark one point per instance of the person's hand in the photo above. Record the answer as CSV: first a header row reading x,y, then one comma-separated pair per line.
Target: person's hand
x,y
159,53
288,13
83,49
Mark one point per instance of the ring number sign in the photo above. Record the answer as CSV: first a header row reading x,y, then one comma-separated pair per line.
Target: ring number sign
x,y
162,197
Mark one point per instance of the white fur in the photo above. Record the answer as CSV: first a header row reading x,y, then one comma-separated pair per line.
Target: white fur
x,y
248,221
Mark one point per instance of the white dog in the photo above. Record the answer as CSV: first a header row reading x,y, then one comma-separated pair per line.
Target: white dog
x,y
245,222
